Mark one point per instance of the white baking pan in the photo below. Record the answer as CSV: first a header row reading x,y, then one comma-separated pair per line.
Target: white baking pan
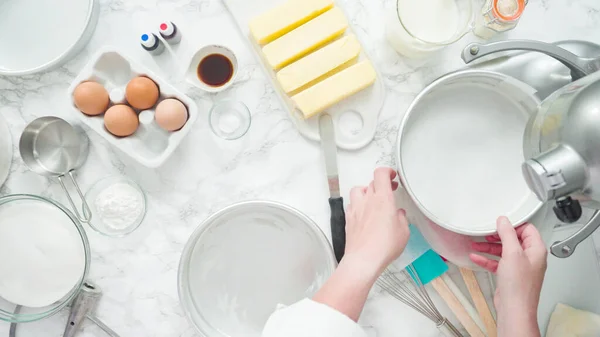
x,y
37,35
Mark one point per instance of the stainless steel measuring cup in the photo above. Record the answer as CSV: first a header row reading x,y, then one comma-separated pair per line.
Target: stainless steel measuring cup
x,y
52,147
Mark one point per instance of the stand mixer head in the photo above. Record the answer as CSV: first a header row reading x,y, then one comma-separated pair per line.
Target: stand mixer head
x,y
563,140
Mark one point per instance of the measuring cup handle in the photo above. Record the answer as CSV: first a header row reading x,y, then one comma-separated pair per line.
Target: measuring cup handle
x,y
580,67
87,213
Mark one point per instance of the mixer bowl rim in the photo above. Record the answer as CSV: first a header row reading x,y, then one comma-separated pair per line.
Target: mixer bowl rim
x,y
402,130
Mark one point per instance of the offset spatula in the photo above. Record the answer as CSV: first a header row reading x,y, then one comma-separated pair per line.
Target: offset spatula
x,y
336,203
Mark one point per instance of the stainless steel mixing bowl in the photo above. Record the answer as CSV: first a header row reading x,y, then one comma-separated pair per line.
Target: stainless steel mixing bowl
x,y
494,85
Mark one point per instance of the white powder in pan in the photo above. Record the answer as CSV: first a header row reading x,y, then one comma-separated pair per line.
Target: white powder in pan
x,y
462,157
42,255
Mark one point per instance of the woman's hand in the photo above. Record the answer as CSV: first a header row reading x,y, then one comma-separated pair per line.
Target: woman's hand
x,y
376,231
520,273
376,234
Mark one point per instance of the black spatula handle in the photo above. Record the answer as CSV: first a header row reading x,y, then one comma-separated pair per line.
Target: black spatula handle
x,y
338,227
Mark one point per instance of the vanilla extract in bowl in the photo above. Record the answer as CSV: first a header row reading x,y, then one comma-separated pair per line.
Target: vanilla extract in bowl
x,y
215,70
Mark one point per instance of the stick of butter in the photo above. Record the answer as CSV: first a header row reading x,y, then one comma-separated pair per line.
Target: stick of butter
x,y
288,16
306,38
319,65
336,88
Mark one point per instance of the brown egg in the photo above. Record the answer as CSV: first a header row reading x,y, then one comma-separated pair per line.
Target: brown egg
x,y
141,93
121,120
91,98
171,114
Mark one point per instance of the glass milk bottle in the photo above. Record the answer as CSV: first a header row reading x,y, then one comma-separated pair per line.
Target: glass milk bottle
x,y
416,28
498,16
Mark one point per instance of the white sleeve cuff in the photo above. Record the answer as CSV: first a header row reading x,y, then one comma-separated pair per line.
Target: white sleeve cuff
x,y
311,319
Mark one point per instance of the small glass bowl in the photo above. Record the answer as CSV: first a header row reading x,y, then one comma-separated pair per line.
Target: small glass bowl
x,y
97,222
230,119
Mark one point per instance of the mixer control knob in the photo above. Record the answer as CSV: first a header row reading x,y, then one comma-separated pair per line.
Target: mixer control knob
x,y
568,210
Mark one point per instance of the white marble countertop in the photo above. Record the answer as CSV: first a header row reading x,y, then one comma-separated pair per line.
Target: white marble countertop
x,y
273,161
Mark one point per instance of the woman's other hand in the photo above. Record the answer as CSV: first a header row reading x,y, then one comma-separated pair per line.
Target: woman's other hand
x,y
520,274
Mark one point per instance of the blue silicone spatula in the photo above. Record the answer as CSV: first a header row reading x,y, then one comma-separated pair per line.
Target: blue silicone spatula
x,y
431,269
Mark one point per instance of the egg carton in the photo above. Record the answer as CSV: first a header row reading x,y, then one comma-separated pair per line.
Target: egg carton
x,y
150,145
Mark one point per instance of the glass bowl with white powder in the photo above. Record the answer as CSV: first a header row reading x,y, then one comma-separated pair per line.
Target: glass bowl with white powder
x,y
118,206
46,257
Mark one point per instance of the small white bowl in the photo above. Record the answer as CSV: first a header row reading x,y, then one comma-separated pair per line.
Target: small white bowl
x,y
191,74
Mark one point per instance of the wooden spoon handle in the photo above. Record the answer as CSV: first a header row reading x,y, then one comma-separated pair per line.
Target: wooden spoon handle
x,y
459,311
480,303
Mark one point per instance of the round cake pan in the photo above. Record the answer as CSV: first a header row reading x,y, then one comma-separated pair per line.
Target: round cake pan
x,y
460,150
39,35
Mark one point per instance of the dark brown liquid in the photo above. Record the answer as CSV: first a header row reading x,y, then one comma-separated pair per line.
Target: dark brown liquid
x,y
215,70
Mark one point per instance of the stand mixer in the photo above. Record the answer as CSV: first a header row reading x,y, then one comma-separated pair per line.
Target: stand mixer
x,y
563,139
564,144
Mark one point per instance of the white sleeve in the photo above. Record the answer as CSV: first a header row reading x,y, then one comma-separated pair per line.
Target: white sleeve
x,y
311,319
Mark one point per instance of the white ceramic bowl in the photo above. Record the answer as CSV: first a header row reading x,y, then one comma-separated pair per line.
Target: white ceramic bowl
x,y
191,74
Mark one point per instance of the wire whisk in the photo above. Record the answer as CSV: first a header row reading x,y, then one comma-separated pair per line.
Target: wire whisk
x,y
416,297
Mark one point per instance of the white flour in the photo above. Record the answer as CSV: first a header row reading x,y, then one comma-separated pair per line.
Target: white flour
x,y
119,205
42,254
463,155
